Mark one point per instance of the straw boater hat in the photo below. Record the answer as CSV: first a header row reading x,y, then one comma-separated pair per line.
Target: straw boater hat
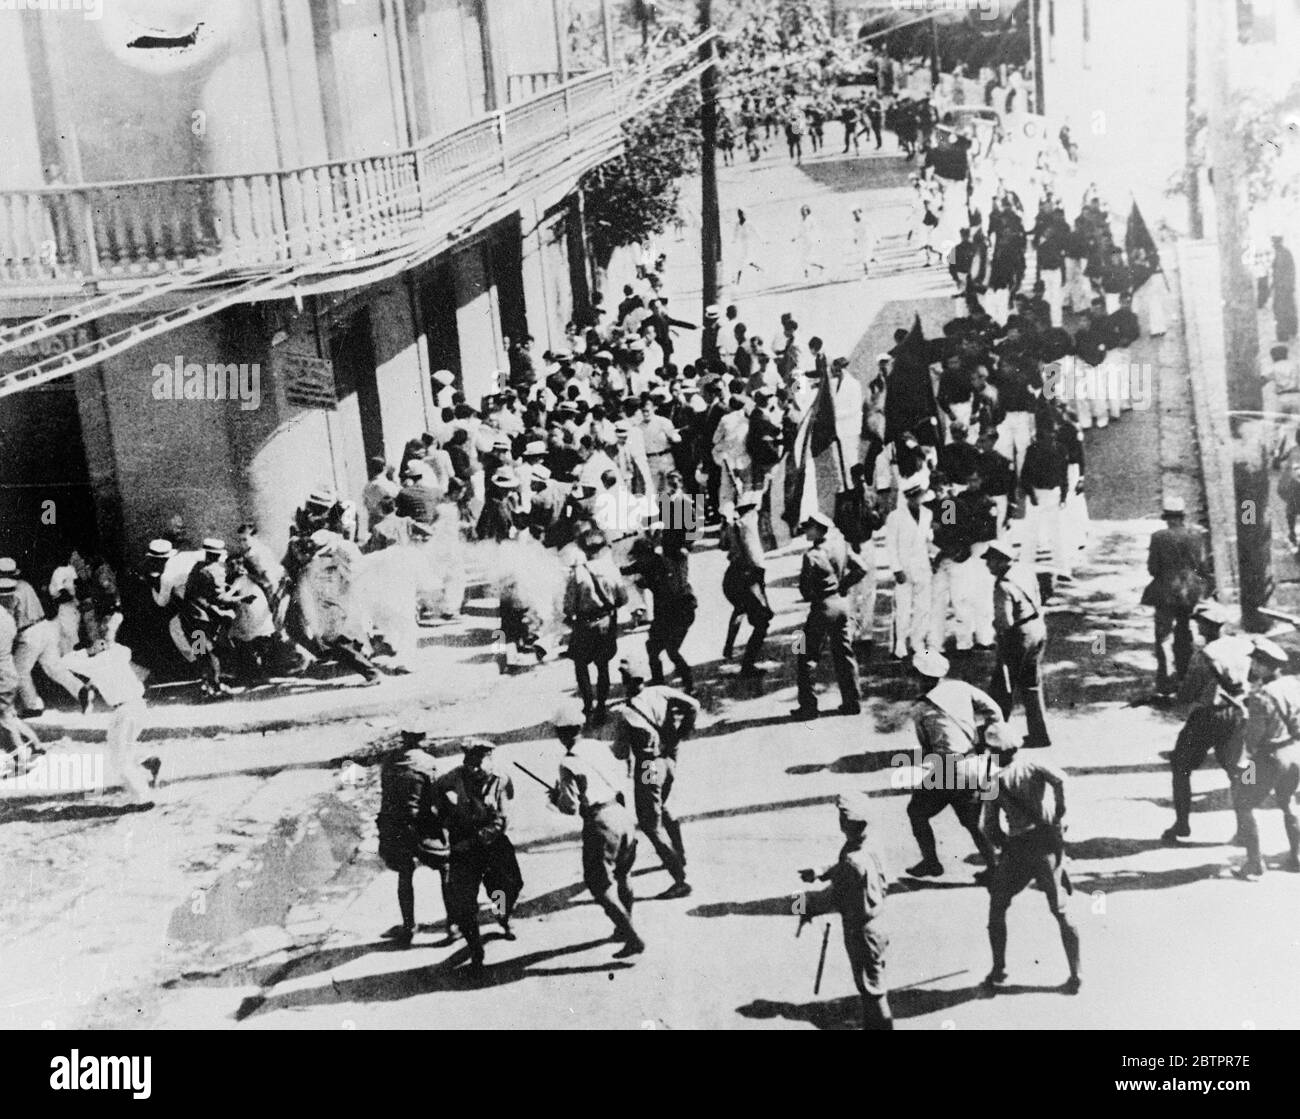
x,y
504,479
1173,507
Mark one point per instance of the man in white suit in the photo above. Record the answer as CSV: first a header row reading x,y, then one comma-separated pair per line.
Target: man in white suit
x,y
848,410
907,548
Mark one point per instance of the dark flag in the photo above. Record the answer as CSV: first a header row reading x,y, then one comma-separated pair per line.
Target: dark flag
x,y
909,395
1140,246
811,474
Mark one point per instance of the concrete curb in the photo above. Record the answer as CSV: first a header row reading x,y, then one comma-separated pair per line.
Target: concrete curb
x,y
1202,330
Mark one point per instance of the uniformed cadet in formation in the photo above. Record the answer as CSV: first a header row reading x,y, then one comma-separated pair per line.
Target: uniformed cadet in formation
x,y
410,832
591,785
951,720
1270,759
829,569
1214,692
472,800
856,891
744,583
1031,796
651,723
1021,635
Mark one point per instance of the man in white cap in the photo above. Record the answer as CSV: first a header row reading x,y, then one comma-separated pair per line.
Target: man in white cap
x,y
1179,565
1031,795
1270,759
653,721
591,785
858,885
471,799
829,570
1020,634
908,549
951,720
410,832
1213,693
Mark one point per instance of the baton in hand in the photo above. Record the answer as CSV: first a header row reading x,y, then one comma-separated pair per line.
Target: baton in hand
x,y
544,785
821,960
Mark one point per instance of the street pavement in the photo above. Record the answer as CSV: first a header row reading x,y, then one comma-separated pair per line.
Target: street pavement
x,y
252,896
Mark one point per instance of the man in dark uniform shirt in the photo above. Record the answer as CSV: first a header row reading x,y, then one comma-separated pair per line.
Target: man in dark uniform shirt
x,y
829,569
410,832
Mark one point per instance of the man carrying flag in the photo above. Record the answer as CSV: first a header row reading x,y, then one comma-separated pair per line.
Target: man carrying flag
x,y
1144,263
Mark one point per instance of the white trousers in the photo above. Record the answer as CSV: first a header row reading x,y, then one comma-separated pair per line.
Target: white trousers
x,y
1149,306
40,644
862,597
953,585
1042,531
1052,290
123,731
912,613
1078,292
1015,433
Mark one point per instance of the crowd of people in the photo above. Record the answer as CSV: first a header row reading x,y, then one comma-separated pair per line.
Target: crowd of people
x,y
579,488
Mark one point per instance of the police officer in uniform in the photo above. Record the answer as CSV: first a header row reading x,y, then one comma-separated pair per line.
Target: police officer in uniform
x,y
591,786
829,569
1032,850
951,719
650,725
856,891
1270,758
472,800
1021,635
1214,690
410,832
744,583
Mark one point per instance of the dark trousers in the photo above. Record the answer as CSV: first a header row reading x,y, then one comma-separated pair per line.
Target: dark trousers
x,y
828,624
492,866
672,622
1206,729
1278,774
1173,645
1037,856
1019,671
406,892
653,782
928,803
608,855
745,588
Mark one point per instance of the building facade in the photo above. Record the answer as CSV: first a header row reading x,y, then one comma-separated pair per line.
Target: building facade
x,y
331,198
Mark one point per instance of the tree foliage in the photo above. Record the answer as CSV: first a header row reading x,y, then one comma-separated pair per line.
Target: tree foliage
x,y
636,195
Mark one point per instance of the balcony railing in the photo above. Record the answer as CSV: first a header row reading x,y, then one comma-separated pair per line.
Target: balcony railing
x,y
60,235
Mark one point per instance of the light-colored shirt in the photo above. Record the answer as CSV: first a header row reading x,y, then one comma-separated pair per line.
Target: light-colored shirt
x,y
590,777
110,674
25,605
948,719
657,434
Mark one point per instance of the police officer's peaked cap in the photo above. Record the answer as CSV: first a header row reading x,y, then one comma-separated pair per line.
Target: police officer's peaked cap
x,y
634,667
854,807
568,714
477,745
1269,651
931,663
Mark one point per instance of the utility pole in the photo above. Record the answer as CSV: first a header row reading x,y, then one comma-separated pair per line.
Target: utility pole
x,y
710,222
934,54
1195,219
1240,328
1036,54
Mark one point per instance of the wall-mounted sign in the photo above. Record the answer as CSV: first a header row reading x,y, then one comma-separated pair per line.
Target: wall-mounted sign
x,y
307,381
